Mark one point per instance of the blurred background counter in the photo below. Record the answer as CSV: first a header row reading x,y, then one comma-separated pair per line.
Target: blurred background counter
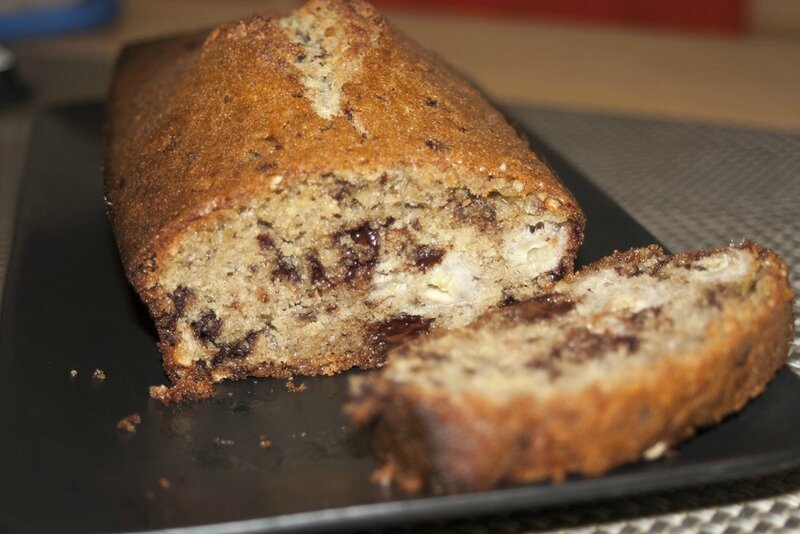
x,y
725,61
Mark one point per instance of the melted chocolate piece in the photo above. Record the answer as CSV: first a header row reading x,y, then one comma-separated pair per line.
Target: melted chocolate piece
x,y
318,275
394,332
284,267
207,327
235,350
360,255
540,308
364,235
425,257
584,345
180,297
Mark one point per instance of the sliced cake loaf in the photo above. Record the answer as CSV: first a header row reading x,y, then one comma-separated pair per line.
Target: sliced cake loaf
x,y
620,361
293,195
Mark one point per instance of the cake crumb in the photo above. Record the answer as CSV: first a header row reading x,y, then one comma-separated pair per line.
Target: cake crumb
x,y
149,495
98,374
220,441
263,442
656,451
164,483
128,424
73,373
295,389
159,393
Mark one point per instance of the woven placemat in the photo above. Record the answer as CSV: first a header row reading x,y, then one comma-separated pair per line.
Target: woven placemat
x,y
691,185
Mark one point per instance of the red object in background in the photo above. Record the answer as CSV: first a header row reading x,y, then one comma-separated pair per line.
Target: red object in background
x,y
717,16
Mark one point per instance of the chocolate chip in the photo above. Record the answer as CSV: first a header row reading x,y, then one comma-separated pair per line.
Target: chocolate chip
x,y
284,266
432,102
308,317
359,252
583,344
341,189
425,257
266,167
265,242
508,298
435,144
715,294
557,273
392,333
318,275
207,327
286,270
180,297
364,235
235,350
473,209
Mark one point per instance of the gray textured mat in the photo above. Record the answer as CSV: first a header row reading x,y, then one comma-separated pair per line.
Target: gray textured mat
x,y
691,185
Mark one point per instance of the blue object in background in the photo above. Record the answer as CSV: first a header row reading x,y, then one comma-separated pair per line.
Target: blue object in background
x,y
45,21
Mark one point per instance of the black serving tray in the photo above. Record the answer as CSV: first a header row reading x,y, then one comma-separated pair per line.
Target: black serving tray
x,y
64,466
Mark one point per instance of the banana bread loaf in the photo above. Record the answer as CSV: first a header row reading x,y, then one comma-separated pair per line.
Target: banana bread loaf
x,y
619,362
294,195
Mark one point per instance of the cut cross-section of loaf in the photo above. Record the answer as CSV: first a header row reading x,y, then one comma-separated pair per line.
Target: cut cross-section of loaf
x,y
620,361
293,195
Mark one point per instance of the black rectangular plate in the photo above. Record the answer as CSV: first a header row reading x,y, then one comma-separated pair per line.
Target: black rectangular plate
x,y
65,466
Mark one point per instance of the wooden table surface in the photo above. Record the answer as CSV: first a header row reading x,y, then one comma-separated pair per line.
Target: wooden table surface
x,y
734,80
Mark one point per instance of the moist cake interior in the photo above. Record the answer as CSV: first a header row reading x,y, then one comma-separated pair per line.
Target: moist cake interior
x,y
332,271
609,325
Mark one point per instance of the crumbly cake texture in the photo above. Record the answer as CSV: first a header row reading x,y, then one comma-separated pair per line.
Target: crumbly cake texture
x,y
620,361
294,195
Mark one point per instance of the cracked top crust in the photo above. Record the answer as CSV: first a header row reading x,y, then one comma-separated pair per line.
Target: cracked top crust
x,y
209,121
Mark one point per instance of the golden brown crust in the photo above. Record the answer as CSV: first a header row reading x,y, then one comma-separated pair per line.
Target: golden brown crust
x,y
456,443
184,122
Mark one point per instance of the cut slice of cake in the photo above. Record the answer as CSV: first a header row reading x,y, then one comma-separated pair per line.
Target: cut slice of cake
x,y
292,195
618,362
